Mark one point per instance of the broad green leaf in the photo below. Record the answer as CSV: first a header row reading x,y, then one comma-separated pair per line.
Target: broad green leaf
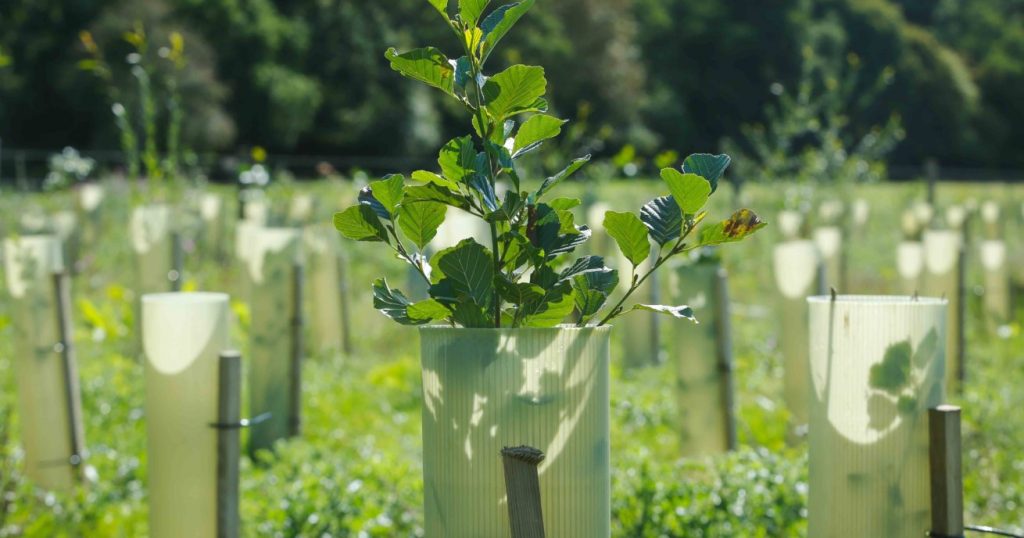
x,y
583,265
565,204
514,90
535,131
430,177
470,269
550,182
393,303
893,373
551,313
483,187
367,198
458,159
709,167
500,21
420,220
663,218
441,6
589,302
603,281
470,10
519,293
471,315
680,312
690,190
389,192
630,234
361,223
742,224
428,310
428,65
434,193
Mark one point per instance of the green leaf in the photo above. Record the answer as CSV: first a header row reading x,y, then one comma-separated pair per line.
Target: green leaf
x,y
589,302
470,10
680,312
742,224
471,315
690,190
420,220
592,290
427,311
470,269
550,182
367,198
709,167
483,187
534,132
434,193
893,373
630,234
361,223
500,21
516,89
565,204
552,313
663,218
393,303
389,192
458,159
441,6
428,65
582,265
430,177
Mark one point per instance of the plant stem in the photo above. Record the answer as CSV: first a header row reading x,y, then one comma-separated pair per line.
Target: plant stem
x,y
497,274
676,249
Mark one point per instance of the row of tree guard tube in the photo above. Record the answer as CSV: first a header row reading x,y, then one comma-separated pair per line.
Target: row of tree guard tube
x,y
860,374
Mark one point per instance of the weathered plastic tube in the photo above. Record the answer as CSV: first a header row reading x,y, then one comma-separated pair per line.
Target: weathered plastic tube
x,y
943,277
30,262
876,368
211,213
797,274
183,335
459,225
321,248
830,245
486,389
701,361
790,224
910,266
637,334
997,280
275,252
151,241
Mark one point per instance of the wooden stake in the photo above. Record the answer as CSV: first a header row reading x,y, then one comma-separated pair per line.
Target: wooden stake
x,y
522,485
177,262
947,486
723,345
961,372
229,411
346,308
298,324
72,390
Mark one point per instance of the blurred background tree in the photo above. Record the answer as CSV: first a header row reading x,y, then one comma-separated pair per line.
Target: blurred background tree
x,y
308,77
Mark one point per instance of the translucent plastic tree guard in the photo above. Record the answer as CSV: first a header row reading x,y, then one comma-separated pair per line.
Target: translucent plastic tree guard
x,y
151,242
637,334
797,275
459,225
790,223
211,214
486,389
942,278
877,366
183,335
993,254
30,262
703,419
910,266
830,245
321,244
271,265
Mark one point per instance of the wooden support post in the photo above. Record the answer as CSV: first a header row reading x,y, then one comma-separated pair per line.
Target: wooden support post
x,y
961,290
346,307
176,274
947,486
297,327
229,411
523,488
72,391
723,332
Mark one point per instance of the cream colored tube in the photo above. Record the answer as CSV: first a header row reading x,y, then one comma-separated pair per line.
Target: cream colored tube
x,y
271,265
183,335
322,280
797,270
876,368
694,350
211,213
90,196
257,212
790,223
910,266
151,242
942,278
997,280
459,225
636,332
599,243
30,262
830,245
300,209
485,389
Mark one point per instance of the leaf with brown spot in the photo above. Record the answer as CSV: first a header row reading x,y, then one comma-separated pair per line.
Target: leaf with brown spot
x,y
740,225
